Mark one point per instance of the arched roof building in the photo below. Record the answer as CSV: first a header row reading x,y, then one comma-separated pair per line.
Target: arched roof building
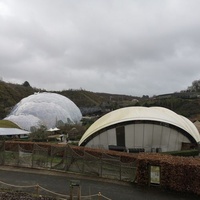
x,y
141,128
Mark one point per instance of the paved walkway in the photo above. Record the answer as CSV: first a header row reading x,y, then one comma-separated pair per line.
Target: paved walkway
x,y
59,182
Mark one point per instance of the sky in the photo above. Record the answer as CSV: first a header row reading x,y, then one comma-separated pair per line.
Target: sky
x,y
132,47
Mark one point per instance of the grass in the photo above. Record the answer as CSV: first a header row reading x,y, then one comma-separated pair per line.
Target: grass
x,y
7,124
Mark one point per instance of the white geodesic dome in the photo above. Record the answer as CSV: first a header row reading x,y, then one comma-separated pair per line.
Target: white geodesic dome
x,y
47,109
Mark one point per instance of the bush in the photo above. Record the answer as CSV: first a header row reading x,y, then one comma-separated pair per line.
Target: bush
x,y
186,153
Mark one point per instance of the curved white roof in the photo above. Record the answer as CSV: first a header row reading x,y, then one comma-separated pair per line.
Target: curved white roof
x,y
158,114
46,109
13,131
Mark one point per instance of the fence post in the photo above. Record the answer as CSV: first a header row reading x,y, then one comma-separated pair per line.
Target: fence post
x,y
120,170
71,192
75,186
99,196
18,156
51,155
101,163
3,153
33,155
83,161
37,190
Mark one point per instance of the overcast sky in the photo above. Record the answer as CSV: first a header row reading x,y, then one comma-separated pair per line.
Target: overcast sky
x,y
133,47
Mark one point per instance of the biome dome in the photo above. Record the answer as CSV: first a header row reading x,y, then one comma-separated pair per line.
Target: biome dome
x,y
47,109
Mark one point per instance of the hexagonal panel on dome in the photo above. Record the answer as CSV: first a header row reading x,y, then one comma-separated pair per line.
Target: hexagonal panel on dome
x,y
48,109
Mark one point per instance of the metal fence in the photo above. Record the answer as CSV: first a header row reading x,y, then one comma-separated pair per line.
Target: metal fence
x,y
65,158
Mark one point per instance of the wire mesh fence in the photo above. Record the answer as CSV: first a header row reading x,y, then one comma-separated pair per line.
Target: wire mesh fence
x,y
66,158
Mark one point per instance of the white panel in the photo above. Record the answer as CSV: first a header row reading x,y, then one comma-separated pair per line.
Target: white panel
x,y
173,140
157,131
139,135
185,139
148,134
112,137
90,144
104,139
165,138
96,141
180,138
129,136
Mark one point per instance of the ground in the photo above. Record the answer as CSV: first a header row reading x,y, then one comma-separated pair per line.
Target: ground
x,y
12,195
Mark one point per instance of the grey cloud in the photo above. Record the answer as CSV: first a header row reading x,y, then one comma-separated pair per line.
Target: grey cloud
x,y
129,47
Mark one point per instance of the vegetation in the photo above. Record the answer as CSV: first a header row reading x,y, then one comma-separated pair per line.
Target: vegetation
x,y
10,95
7,124
186,103
40,135
73,132
186,153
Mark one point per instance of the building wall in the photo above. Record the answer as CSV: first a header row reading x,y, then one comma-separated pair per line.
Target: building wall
x,y
149,137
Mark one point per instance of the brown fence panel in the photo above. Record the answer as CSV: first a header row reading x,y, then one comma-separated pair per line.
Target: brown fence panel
x,y
74,160
68,158
40,157
25,157
2,150
12,155
128,171
92,164
110,166
58,157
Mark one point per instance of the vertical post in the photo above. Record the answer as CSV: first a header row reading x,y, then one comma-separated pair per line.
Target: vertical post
x,y
4,153
120,169
99,196
90,193
65,157
37,190
75,187
71,192
51,152
83,161
18,156
33,151
101,165
79,193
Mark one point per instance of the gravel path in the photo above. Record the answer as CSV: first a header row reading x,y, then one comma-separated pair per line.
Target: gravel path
x,y
21,196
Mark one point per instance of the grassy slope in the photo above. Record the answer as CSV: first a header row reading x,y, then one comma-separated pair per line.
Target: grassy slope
x,y
7,124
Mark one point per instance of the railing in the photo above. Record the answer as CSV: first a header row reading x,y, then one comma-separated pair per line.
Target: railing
x,y
40,191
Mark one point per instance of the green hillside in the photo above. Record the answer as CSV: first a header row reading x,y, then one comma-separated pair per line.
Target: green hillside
x,y
7,124
184,103
10,94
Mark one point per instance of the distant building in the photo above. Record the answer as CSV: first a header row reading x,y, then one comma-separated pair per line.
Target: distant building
x,y
141,129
